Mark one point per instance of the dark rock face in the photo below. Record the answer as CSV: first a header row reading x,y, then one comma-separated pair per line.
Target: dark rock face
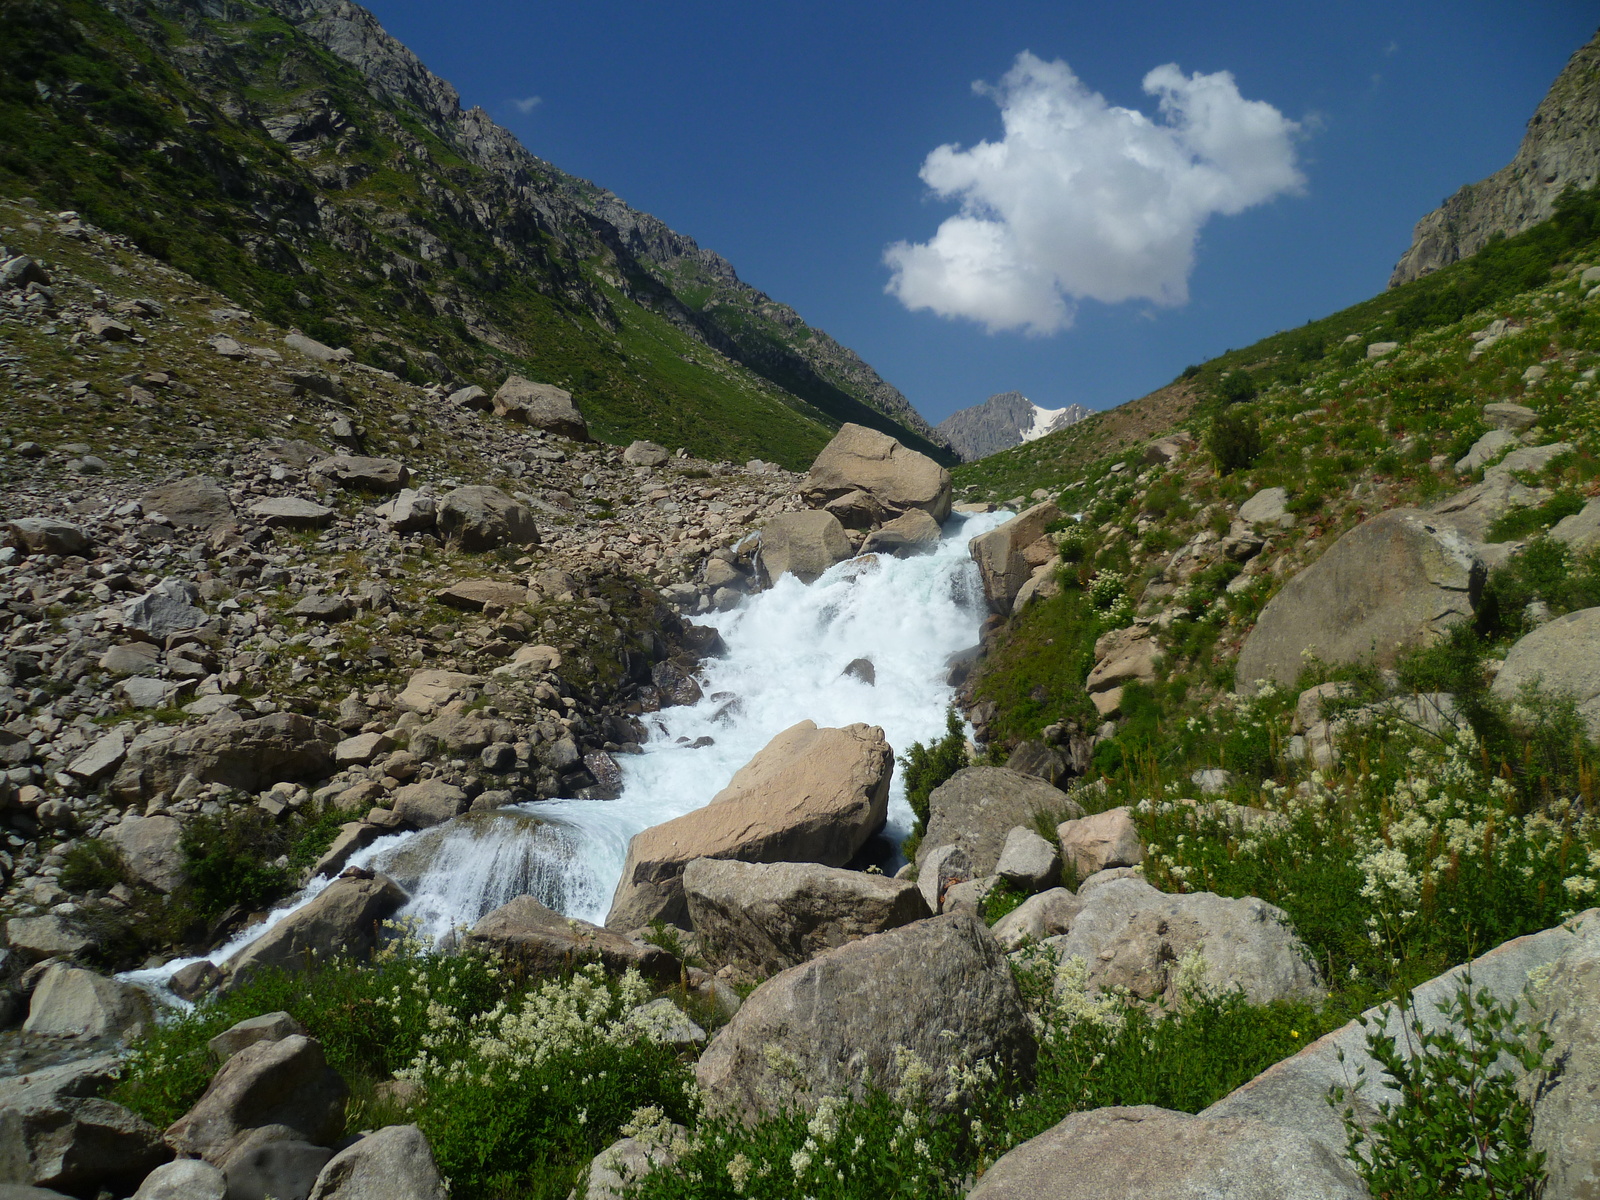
x,y
1002,421
1561,147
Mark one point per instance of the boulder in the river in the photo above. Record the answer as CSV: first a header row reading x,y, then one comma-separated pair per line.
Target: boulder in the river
x,y
911,533
342,921
71,1002
862,459
940,989
803,544
810,795
543,942
767,917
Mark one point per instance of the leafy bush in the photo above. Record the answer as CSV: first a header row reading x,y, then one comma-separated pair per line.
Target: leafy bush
x,y
92,864
1459,1126
234,857
1546,571
1520,522
926,767
1234,440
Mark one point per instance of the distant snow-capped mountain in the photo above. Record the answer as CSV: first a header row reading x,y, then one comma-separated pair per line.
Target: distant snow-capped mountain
x,y
1004,420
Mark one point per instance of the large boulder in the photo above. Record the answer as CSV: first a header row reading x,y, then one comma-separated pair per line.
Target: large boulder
x,y
862,459
1561,657
249,755
182,1179
342,920
1293,1093
542,405
940,989
616,1170
271,1164
409,512
395,1163
152,849
428,691
544,942
1156,1154
285,1082
71,1002
1106,839
482,518
49,936
803,544
810,795
1133,937
978,807
428,803
54,1133
292,512
1002,563
767,917
196,503
1566,1094
46,535
355,473
1398,580
1580,531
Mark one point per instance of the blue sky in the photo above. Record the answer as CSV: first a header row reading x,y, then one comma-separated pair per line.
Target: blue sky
x,y
789,138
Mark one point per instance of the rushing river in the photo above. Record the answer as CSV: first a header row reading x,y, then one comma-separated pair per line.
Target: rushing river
x,y
787,649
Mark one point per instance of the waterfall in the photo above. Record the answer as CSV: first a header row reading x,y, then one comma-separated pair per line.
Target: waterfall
x,y
787,649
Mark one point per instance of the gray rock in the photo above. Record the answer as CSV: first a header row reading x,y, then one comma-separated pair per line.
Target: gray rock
x,y
342,920
911,533
645,454
1003,563
151,846
978,807
1473,510
183,1179
803,544
1156,1154
1134,937
286,1082
1028,862
1267,507
144,692
1485,450
544,942
165,609
395,1163
196,502
1515,417
266,1165
1565,1096
1397,580
268,1027
1561,657
542,405
1381,349
1046,915
100,759
248,755
321,606
46,535
409,512
1294,1093
472,396
132,658
74,1144
768,917
1533,458
49,936
291,512
195,980
939,988
482,518
316,350
809,795
354,837
20,271
74,1003
355,473
943,868
615,1170
1580,531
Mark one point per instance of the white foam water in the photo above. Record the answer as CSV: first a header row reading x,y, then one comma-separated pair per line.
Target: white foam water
x,y
787,650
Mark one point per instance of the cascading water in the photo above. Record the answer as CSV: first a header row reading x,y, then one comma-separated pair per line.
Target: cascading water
x,y
787,649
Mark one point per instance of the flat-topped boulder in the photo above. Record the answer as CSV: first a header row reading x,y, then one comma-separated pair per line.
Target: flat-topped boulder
x,y
249,755
862,459
1397,580
47,535
542,405
482,518
474,595
291,512
356,473
193,503
810,795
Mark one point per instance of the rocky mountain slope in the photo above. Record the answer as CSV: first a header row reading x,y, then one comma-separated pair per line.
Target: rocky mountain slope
x,y
1004,420
1561,149
304,163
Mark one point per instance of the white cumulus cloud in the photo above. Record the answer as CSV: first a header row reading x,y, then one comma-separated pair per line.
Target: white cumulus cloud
x,y
1082,199
527,104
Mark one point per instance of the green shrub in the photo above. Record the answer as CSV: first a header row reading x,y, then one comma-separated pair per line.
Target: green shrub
x,y
1459,1126
1520,522
231,858
92,864
1234,440
926,767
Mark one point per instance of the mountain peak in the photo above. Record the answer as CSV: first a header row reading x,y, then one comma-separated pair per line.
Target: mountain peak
x,y
1004,420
